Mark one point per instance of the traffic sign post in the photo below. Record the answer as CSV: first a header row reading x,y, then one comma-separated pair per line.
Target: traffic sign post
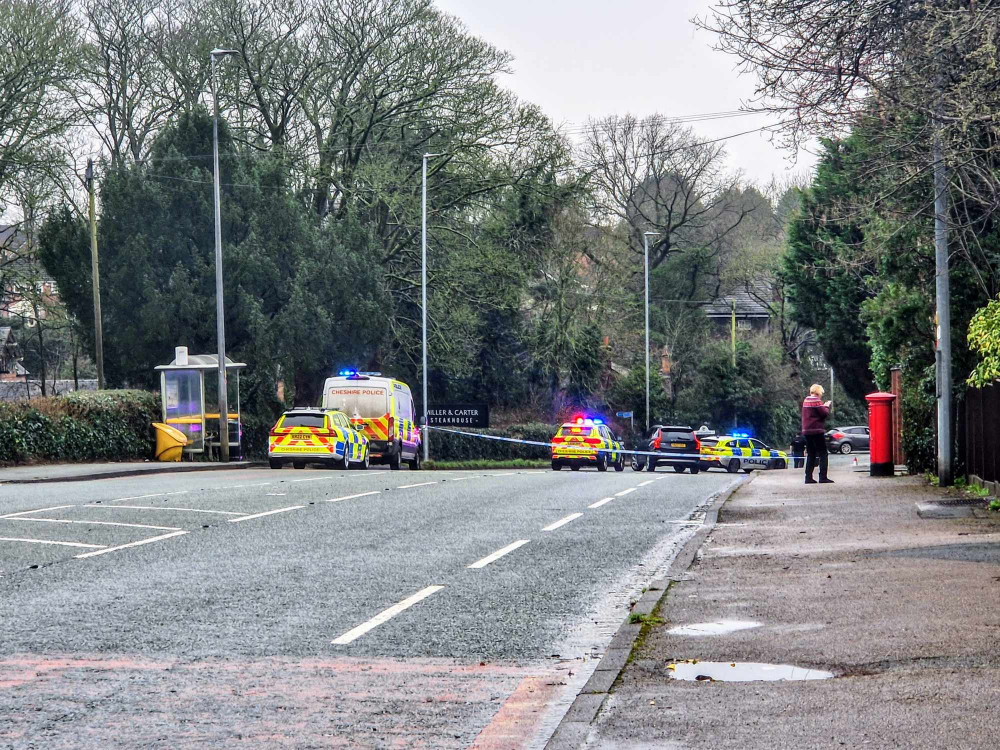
x,y
627,415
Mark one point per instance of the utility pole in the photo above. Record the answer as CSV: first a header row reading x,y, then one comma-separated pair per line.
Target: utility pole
x,y
732,340
95,276
220,307
943,317
645,268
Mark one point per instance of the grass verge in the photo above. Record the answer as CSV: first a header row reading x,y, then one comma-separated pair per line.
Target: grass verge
x,y
515,463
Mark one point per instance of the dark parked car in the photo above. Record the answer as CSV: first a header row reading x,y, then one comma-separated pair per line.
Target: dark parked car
x,y
847,439
680,448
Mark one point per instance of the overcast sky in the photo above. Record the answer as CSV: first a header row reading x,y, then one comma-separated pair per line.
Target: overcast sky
x,y
590,58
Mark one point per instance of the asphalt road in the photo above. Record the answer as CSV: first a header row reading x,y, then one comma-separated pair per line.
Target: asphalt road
x,y
320,608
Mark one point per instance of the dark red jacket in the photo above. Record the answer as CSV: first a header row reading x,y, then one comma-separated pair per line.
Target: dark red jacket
x,y
814,416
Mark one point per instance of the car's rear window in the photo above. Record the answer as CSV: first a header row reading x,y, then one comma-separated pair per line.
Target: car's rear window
x,y
675,435
577,431
304,420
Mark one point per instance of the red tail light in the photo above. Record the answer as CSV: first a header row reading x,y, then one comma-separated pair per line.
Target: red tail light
x,y
272,433
558,439
656,442
697,442
837,435
592,441
392,424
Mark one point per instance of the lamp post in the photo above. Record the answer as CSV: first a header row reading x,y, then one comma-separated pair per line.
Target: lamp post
x,y
645,268
220,307
425,432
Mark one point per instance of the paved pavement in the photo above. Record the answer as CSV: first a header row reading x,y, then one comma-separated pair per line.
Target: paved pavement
x,y
40,473
254,608
888,584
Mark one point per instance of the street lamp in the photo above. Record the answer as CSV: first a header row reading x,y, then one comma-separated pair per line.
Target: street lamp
x,y
220,307
645,268
425,434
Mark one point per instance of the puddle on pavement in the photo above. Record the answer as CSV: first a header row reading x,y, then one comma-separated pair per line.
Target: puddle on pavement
x,y
720,627
722,671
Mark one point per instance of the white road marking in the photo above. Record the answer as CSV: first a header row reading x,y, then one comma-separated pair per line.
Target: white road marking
x,y
131,544
46,541
599,503
157,507
276,494
351,497
311,479
508,474
39,510
460,479
100,523
625,492
648,481
238,486
143,497
562,521
499,553
385,615
418,484
266,513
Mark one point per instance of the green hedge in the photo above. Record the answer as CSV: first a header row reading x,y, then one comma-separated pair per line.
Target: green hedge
x,y
447,446
81,426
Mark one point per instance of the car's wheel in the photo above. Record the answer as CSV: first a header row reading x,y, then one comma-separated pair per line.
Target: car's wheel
x,y
574,467
620,463
695,469
650,464
846,448
298,464
345,462
414,463
638,463
367,460
733,466
395,458
274,463
679,469
556,466
780,464
602,462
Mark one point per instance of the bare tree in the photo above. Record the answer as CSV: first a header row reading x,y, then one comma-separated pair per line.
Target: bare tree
x,y
651,175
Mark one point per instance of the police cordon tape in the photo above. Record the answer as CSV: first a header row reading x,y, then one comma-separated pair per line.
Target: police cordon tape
x,y
551,446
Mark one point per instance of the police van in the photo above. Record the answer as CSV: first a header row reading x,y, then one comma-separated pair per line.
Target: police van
x,y
382,409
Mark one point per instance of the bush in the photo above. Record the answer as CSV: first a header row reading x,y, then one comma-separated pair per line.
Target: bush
x,y
81,426
447,446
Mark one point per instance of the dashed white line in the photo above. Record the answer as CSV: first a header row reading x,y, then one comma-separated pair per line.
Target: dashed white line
x,y
418,484
625,492
39,510
648,481
562,521
157,507
100,523
508,474
266,513
385,615
498,554
599,503
46,541
460,479
238,486
351,497
131,544
311,479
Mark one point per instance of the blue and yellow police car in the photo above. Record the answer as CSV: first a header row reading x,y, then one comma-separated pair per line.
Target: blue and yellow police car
x,y
586,441
302,436
740,451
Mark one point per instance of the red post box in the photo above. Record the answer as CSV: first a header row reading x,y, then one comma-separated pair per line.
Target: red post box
x,y
880,428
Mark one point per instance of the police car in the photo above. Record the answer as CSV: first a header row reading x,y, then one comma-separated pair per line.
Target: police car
x,y
302,436
740,451
585,441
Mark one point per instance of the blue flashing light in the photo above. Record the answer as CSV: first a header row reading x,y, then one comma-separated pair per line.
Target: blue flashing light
x,y
598,421
741,434
348,373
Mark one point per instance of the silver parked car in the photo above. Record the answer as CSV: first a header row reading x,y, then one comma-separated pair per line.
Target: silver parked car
x,y
847,439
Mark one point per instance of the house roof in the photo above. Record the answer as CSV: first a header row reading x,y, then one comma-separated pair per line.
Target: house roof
x,y
747,303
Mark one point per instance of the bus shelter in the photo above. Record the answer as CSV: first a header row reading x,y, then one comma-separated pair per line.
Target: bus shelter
x,y
190,401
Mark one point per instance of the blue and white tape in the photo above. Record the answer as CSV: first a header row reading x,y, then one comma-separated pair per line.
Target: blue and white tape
x,y
552,446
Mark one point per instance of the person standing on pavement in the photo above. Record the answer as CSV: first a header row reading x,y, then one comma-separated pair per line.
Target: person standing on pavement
x,y
798,447
814,414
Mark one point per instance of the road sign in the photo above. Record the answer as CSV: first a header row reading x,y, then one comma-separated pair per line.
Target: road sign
x,y
624,414
459,415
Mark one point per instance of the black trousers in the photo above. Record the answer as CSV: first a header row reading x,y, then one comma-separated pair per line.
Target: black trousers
x,y
816,454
